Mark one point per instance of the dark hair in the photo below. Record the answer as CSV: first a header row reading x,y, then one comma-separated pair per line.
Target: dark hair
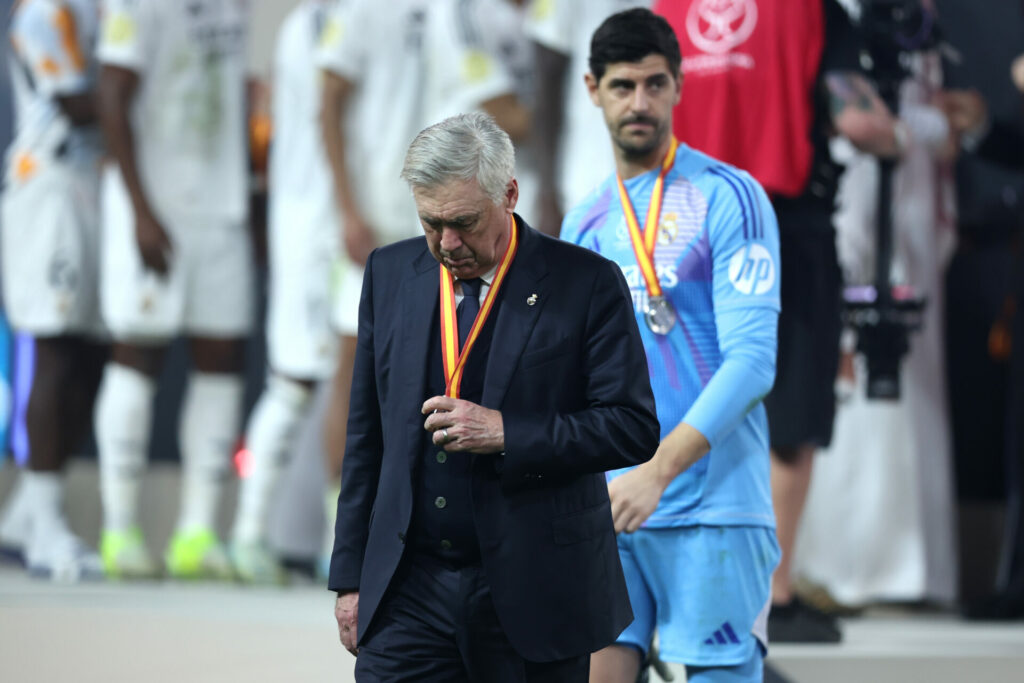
x,y
629,37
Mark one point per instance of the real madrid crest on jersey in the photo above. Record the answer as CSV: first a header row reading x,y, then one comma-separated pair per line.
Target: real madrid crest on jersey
x,y
668,228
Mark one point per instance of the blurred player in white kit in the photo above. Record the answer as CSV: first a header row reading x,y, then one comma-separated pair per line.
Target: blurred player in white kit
x,y
177,260
50,260
384,76
302,244
570,163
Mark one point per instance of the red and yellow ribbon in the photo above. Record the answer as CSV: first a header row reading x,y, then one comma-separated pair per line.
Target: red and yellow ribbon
x,y
643,243
454,360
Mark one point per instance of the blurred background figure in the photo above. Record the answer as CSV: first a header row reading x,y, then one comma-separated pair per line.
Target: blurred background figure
x,y
885,485
985,288
506,39
302,244
50,245
570,161
177,260
437,62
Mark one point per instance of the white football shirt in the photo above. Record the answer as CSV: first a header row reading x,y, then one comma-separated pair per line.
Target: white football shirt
x,y
507,40
189,114
299,173
585,153
413,65
51,57
463,69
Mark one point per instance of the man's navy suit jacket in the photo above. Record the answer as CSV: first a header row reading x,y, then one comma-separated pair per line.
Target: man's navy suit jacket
x,y
569,375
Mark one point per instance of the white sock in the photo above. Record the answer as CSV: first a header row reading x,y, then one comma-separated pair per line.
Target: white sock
x,y
44,494
271,433
209,429
124,413
15,515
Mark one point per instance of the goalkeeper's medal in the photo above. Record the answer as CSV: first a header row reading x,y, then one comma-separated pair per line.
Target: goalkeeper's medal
x,y
659,314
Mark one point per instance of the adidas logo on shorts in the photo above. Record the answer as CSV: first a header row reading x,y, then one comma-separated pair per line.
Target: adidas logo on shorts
x,y
723,635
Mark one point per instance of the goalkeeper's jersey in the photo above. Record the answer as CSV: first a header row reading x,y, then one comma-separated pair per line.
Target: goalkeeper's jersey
x,y
717,260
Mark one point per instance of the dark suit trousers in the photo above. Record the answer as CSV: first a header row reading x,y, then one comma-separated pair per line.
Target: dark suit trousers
x,y
437,623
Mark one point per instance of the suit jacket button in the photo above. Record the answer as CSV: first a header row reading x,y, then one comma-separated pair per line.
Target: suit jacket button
x,y
401,537
442,457
440,502
446,544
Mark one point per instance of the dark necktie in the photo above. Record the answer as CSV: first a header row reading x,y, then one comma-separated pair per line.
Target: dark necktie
x,y
468,307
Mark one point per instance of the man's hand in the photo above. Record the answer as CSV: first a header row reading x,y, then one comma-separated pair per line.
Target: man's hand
x,y
1017,73
459,425
358,238
153,242
965,109
634,497
346,611
860,115
636,493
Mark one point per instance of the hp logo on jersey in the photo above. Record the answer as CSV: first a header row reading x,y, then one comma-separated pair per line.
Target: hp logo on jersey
x,y
752,270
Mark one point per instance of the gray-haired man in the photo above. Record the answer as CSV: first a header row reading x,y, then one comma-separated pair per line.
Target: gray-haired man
x,y
498,374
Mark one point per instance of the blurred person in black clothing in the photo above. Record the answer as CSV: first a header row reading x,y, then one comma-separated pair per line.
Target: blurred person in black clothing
x,y
986,281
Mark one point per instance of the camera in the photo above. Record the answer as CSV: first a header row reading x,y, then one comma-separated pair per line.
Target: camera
x,y
893,30
883,316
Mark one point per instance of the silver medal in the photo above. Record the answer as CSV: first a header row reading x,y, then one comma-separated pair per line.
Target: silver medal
x,y
660,316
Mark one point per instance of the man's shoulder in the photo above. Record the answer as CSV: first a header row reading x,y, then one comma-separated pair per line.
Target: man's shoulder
x,y
717,181
403,252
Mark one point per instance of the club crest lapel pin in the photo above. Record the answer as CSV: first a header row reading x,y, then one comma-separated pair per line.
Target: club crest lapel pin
x,y
531,300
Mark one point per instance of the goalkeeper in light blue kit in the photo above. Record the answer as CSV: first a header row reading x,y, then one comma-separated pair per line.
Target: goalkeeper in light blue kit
x,y
698,243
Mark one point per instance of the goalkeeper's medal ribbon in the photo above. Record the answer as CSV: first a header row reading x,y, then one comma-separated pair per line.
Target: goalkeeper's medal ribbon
x,y
659,314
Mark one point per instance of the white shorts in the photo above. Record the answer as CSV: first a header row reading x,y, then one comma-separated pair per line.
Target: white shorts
x,y
302,245
350,278
346,302
51,252
207,292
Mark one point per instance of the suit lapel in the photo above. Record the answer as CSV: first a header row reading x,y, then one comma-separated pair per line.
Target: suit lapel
x,y
419,311
516,315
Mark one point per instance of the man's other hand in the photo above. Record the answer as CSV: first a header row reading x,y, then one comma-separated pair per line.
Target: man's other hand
x,y
346,611
153,242
966,110
458,425
634,497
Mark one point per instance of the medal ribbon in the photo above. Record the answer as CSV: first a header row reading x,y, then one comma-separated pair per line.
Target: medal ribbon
x,y
643,243
454,360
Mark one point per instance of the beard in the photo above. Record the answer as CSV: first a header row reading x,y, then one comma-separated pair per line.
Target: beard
x,y
639,148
